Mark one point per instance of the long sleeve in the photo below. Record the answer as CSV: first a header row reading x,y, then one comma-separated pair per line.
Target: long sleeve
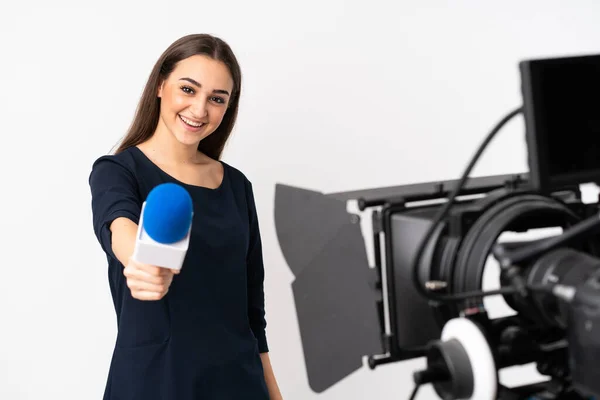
x,y
256,274
114,194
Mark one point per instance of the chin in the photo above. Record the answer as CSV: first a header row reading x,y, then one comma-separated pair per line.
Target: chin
x,y
190,139
187,140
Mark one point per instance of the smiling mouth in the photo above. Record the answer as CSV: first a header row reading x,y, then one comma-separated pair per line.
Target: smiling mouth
x,y
191,123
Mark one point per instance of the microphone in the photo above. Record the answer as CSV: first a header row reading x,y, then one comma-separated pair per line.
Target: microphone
x,y
163,235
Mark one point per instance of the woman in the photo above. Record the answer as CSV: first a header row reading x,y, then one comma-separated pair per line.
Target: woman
x,y
198,333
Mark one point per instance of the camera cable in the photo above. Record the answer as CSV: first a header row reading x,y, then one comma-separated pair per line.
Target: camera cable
x,y
442,213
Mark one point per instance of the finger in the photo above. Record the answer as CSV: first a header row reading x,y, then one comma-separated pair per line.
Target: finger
x,y
145,295
168,280
175,271
139,285
131,272
150,269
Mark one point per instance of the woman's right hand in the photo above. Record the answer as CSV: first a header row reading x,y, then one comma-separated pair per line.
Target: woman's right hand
x,y
148,282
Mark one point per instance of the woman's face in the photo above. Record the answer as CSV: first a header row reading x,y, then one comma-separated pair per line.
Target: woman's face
x,y
194,98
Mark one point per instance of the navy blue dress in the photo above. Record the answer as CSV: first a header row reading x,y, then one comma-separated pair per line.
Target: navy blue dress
x,y
203,340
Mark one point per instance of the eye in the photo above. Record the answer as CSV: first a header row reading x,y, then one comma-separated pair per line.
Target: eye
x,y
218,100
187,89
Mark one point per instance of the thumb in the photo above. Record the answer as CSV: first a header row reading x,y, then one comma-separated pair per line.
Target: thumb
x,y
175,271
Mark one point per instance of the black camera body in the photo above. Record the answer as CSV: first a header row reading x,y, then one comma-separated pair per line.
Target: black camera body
x,y
457,253
421,295
583,338
454,262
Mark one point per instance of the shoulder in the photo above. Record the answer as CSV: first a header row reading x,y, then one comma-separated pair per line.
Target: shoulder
x,y
236,176
241,185
124,159
123,164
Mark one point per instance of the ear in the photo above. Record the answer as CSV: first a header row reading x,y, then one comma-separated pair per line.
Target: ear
x,y
160,89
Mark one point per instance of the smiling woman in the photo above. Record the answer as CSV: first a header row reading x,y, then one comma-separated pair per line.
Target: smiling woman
x,y
194,69
191,110
199,332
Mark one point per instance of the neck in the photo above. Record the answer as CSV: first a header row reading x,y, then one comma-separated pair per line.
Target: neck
x,y
168,150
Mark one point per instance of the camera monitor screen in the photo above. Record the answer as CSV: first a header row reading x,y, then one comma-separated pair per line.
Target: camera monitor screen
x,y
561,106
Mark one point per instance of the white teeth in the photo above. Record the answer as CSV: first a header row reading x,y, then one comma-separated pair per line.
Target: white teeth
x,y
189,122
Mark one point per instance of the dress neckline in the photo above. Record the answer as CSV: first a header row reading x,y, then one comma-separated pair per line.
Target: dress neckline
x,y
189,185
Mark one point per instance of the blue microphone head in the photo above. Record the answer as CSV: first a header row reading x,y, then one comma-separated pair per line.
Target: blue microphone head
x,y
168,213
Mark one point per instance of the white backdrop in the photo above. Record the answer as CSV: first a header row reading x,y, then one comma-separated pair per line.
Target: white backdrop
x,y
337,96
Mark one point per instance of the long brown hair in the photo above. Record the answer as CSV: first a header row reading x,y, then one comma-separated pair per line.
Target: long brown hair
x,y
148,110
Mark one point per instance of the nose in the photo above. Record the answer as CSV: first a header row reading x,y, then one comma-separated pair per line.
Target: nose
x,y
198,108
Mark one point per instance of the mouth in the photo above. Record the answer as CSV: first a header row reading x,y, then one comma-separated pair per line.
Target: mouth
x,y
190,123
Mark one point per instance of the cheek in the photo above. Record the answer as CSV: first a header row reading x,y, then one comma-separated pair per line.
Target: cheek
x,y
178,101
218,114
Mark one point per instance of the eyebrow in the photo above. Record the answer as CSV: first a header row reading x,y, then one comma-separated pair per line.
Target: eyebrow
x,y
193,82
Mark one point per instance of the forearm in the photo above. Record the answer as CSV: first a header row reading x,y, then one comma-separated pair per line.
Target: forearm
x,y
123,232
274,392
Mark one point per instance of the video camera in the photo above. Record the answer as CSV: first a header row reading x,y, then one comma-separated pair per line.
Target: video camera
x,y
422,296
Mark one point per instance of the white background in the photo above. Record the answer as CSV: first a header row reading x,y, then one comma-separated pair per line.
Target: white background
x,y
337,96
